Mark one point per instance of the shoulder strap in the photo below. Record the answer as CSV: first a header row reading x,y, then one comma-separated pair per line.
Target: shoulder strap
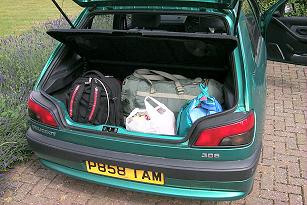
x,y
174,78
75,101
204,89
93,103
169,76
155,75
147,75
107,95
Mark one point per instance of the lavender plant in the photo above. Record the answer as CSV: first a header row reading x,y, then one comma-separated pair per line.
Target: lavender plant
x,y
21,60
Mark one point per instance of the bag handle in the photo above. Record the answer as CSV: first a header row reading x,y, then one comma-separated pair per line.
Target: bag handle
x,y
169,76
204,93
148,105
147,75
204,89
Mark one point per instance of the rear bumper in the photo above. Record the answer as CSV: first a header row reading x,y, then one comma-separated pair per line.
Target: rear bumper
x,y
214,180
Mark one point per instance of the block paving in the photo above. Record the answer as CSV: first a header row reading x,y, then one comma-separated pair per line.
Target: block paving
x,y
281,176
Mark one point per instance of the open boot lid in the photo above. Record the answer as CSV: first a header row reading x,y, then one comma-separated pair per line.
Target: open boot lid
x,y
220,4
149,47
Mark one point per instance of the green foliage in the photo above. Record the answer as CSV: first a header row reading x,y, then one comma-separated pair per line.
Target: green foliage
x,y
265,4
17,17
21,60
300,6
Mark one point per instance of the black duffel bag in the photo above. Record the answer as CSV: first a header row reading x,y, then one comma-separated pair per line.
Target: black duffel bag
x,y
95,99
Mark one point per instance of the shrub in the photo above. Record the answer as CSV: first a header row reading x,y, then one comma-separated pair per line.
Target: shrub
x,y
300,6
21,60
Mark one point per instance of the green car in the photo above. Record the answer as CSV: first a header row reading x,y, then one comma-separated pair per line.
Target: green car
x,y
225,40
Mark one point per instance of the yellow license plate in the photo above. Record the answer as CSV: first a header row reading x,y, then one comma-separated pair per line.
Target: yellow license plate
x,y
125,173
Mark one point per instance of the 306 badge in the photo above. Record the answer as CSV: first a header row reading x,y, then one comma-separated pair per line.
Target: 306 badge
x,y
144,176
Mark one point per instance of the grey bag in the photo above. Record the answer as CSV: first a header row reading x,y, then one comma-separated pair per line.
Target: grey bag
x,y
171,90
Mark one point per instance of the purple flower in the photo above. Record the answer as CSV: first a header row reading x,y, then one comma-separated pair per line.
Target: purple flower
x,y
1,78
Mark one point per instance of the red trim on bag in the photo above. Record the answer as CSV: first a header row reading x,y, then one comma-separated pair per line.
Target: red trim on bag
x,y
94,104
73,99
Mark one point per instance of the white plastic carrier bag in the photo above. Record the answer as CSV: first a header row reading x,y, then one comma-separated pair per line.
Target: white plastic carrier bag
x,y
156,118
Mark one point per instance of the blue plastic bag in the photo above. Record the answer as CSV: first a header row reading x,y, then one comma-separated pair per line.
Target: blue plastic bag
x,y
200,106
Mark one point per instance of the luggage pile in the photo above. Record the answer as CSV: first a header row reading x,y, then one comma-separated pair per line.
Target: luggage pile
x,y
148,101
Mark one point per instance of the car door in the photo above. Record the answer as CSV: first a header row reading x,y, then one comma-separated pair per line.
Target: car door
x,y
286,35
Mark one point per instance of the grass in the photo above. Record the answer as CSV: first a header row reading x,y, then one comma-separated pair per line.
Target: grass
x,y
18,16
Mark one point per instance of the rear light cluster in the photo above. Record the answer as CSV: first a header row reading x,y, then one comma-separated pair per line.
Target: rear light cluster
x,y
238,133
41,114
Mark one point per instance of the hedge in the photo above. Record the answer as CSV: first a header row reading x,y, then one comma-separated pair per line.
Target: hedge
x,y
300,6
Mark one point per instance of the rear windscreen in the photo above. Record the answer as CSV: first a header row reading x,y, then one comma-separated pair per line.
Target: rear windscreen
x,y
166,22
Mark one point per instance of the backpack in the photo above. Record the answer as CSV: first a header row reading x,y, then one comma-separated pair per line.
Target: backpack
x,y
95,99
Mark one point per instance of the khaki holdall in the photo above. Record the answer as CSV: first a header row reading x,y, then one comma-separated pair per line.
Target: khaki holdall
x,y
171,90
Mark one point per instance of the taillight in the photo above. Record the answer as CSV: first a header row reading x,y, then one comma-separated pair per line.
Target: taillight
x,y
237,133
41,114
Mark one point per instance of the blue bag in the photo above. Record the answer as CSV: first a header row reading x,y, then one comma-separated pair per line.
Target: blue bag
x,y
200,106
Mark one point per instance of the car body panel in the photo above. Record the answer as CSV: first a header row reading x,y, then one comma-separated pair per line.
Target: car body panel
x,y
228,190
233,184
58,151
255,76
143,147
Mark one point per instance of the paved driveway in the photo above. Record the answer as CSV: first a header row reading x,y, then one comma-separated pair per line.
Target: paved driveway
x,y
281,175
